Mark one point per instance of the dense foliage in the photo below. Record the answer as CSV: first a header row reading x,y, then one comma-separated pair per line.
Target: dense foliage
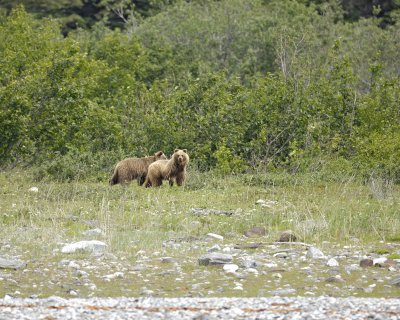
x,y
241,84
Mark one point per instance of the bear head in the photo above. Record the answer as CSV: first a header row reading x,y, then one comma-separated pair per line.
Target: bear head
x,y
181,157
160,155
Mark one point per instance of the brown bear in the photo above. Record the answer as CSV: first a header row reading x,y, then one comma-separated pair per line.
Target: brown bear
x,y
134,168
175,168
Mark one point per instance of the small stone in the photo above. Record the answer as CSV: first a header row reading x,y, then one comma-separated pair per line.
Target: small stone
x,y
315,253
395,282
72,292
283,292
167,260
215,236
92,232
230,268
380,262
287,236
255,232
34,189
248,262
364,263
73,265
282,255
252,270
215,258
336,278
266,203
115,275
147,292
214,248
271,265
332,263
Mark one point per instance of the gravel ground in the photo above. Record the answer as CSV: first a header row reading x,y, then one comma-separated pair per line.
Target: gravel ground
x,y
200,308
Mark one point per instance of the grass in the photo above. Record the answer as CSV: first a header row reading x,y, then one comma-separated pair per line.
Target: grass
x,y
316,211
137,222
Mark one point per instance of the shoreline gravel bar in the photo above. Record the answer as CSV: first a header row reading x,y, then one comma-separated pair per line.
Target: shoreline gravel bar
x,y
200,308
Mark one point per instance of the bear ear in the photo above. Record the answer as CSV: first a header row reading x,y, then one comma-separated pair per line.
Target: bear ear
x,y
185,150
176,150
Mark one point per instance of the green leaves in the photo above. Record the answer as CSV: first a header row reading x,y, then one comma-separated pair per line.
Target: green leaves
x,y
240,84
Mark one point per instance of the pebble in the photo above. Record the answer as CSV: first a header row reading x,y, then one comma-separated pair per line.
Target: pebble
x,y
332,263
92,232
230,268
214,248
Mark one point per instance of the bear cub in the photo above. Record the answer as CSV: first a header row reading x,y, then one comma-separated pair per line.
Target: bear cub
x,y
172,169
134,168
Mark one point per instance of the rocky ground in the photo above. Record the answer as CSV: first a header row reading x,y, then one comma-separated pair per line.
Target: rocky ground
x,y
200,308
205,266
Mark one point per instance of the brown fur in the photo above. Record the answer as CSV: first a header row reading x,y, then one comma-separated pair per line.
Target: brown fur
x,y
134,168
173,169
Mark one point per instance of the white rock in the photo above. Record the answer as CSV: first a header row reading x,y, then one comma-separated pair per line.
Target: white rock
x,y
332,263
230,268
93,246
215,236
73,265
379,261
315,253
109,277
34,189
252,270
271,265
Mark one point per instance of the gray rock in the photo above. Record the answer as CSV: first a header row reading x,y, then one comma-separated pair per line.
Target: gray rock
x,y
336,278
395,282
282,255
168,260
214,258
214,248
92,246
315,253
352,268
11,263
248,262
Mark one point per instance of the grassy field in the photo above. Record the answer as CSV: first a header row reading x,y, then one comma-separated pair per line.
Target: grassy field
x,y
135,219
315,210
